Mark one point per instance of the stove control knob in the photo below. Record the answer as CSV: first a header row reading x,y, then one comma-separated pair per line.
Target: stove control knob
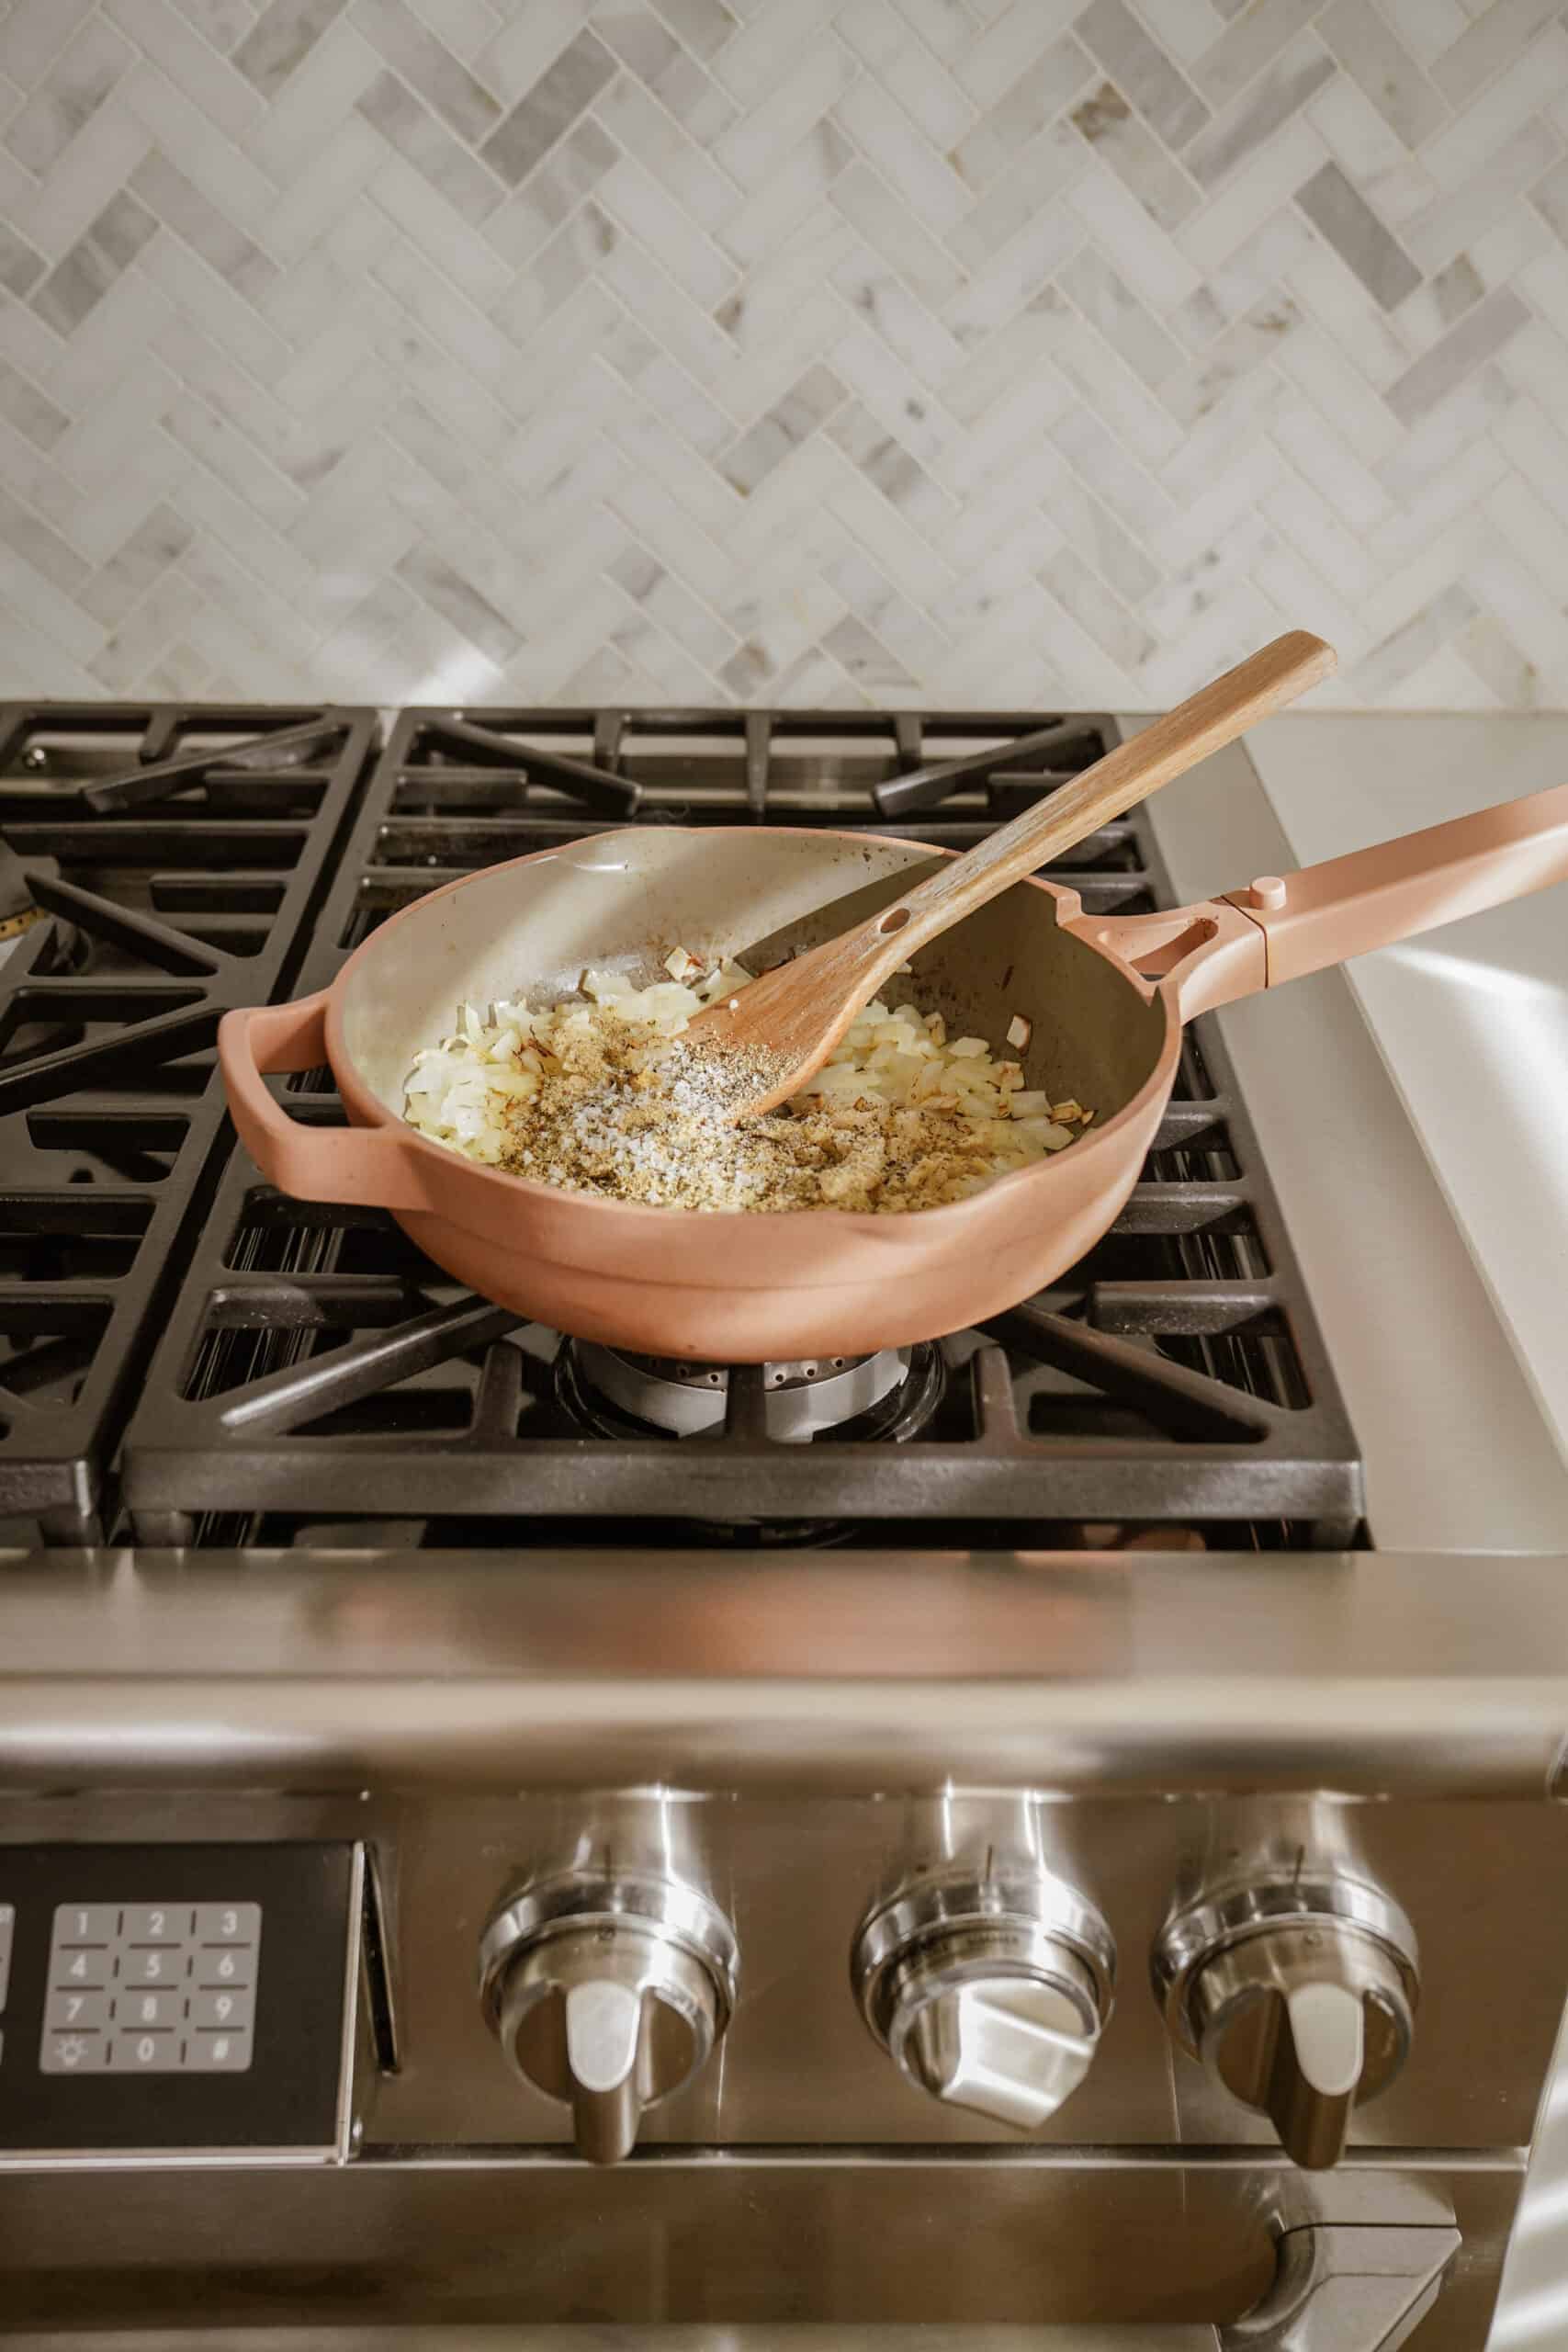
x,y
1298,1995
990,1992
608,1994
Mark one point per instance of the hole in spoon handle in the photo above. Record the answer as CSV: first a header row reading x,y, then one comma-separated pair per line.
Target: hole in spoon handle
x,y
894,919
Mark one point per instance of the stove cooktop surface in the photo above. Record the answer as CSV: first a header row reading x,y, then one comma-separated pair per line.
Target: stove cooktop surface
x,y
187,1356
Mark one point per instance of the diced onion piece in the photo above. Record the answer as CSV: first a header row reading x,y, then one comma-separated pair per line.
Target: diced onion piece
x,y
1019,1032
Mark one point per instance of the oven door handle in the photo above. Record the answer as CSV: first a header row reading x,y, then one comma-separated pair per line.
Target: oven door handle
x,y
1339,2286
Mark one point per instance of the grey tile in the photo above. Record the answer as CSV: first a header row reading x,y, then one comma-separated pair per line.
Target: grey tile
x,y
428,66
221,244
889,466
1386,72
1039,178
1348,222
1144,168
70,94
1082,594
81,279
1240,54
1247,343
703,25
1142,71
457,600
1479,336
809,401
1496,659
1040,93
549,109
224,23
643,45
414,131
892,231
550,193
1277,95
20,268
35,31
1404,651
32,412
1550,196
1110,304
865,657
1493,41
35,543
1456,289
281,38
156,542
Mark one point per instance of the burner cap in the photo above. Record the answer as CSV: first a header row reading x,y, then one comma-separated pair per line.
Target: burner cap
x,y
802,1398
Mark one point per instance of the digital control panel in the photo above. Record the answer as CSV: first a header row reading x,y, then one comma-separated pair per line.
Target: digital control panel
x,y
151,1987
229,1973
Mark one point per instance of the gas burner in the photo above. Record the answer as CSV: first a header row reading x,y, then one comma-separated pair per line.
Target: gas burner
x,y
889,1395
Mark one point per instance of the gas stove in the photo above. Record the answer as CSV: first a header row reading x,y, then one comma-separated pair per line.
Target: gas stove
x,y
977,1837
312,1371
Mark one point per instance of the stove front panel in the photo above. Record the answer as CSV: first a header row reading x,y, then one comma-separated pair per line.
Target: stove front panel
x,y
1484,1885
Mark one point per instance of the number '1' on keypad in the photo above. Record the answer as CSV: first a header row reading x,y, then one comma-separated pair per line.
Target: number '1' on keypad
x,y
152,1988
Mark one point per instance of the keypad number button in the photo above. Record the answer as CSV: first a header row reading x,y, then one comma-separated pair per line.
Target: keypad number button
x,y
146,2054
225,1971
76,2013
156,1923
77,1971
228,1923
135,2009
223,2012
86,1923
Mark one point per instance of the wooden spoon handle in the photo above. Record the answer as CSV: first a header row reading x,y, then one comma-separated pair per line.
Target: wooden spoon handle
x,y
1216,715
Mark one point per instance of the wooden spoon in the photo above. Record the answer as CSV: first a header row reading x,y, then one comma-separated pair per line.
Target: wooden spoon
x,y
788,1022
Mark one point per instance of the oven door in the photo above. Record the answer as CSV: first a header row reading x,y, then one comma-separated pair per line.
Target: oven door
x,y
1034,2251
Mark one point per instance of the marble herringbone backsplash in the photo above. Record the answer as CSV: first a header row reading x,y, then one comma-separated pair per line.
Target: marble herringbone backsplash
x,y
799,351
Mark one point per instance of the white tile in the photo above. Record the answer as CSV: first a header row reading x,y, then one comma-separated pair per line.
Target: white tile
x,y
922,177
1535,77
1258,189
441,234
1319,370
907,69
793,101
688,177
1154,264
208,80
632,197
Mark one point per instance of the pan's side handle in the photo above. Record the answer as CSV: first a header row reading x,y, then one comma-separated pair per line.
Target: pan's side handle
x,y
358,1164
1201,956
1373,897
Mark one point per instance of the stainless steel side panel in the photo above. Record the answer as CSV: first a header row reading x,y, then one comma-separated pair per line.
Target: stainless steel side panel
x,y
864,2237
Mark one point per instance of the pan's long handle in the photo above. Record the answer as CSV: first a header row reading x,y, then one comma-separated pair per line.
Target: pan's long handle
x,y
1206,721
1326,913
1282,927
313,1163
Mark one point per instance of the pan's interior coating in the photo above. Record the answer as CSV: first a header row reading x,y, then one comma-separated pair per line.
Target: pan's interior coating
x,y
623,899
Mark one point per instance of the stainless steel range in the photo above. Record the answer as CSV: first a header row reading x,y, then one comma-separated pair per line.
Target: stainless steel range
x,y
1038,1832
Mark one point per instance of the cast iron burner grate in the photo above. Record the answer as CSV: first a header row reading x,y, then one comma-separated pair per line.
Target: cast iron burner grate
x,y
177,852
319,1380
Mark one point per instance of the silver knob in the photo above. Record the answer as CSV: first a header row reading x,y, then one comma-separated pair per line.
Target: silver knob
x,y
608,1994
1298,1995
990,1992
